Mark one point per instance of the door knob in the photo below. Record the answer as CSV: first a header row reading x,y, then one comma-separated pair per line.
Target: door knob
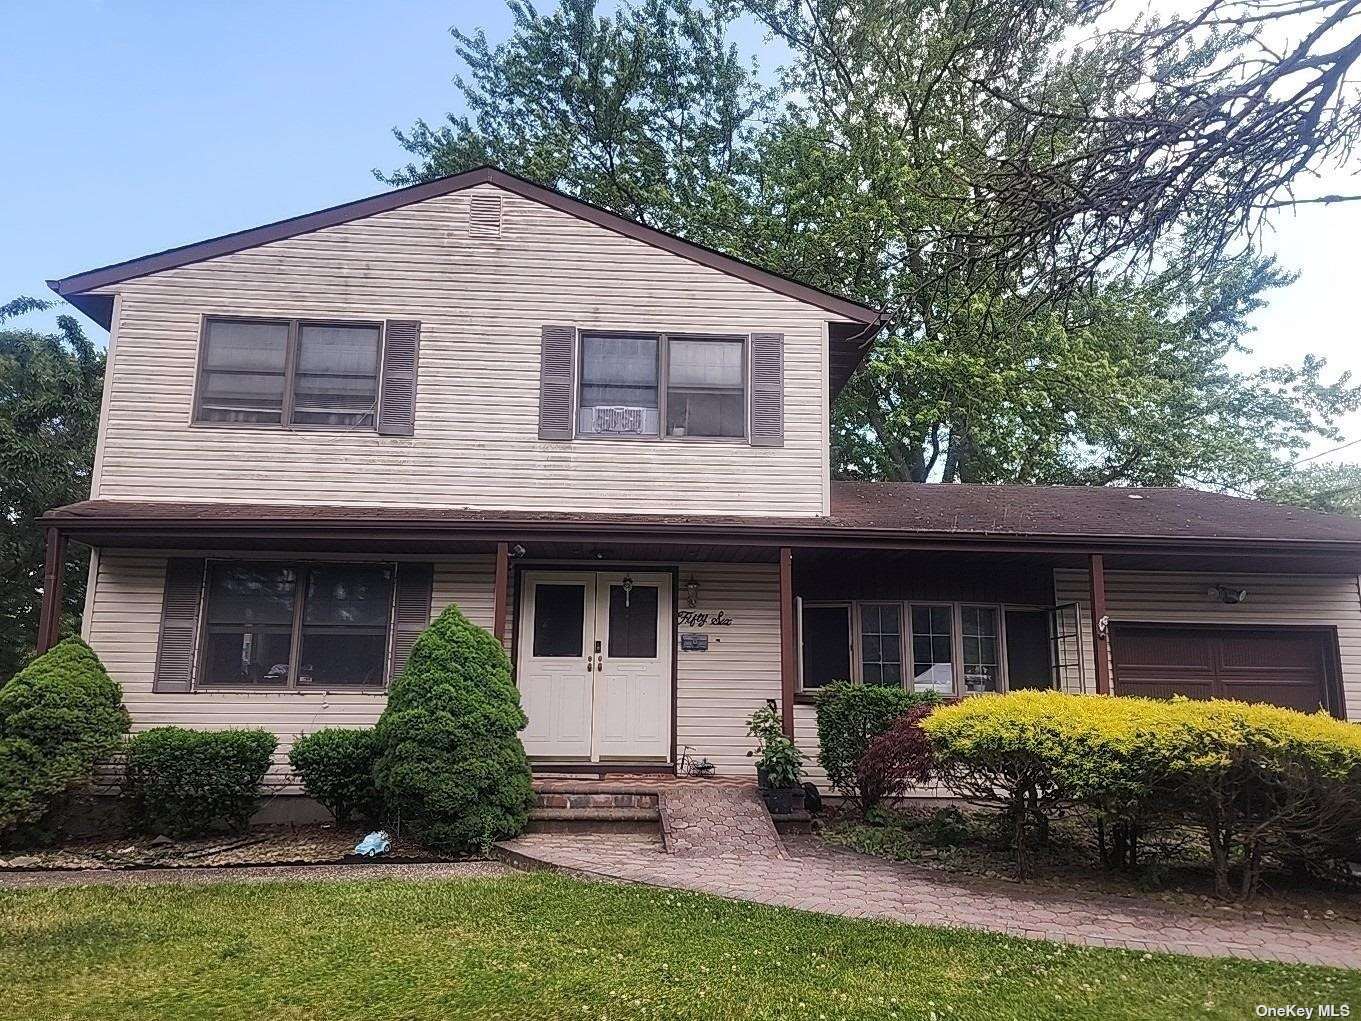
x,y
599,662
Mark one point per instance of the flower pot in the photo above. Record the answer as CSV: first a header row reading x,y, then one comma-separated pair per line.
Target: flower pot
x,y
783,800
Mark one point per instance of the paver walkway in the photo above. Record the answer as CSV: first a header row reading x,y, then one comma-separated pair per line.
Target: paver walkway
x,y
816,877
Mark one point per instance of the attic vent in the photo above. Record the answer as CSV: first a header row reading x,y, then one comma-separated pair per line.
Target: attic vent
x,y
484,216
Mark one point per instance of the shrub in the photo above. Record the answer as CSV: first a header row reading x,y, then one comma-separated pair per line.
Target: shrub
x,y
187,783
59,715
336,767
852,715
1259,782
779,762
450,764
897,758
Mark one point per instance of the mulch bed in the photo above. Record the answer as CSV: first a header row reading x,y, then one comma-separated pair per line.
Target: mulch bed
x,y
266,845
967,843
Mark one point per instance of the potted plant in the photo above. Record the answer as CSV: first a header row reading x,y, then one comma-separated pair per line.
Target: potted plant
x,y
779,764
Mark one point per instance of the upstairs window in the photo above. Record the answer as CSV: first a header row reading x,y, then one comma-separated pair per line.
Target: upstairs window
x,y
705,388
619,374
289,373
659,385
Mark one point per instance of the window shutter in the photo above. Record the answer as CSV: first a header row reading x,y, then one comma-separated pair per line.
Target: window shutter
x,y
767,389
411,612
397,393
179,626
557,363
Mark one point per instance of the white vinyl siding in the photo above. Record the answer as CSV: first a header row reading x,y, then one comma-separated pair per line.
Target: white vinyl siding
x,y
1177,598
481,304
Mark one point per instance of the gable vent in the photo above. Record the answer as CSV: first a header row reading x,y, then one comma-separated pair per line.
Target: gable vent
x,y
484,216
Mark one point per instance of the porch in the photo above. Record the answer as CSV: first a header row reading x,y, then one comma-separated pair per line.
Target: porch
x,y
640,642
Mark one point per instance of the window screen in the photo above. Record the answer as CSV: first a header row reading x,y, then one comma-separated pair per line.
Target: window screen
x,y
559,619
705,393
336,378
826,645
978,624
618,385
249,626
933,649
345,625
633,622
881,644
244,372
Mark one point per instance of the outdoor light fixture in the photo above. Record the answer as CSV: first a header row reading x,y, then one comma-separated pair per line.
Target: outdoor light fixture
x,y
692,593
517,551
628,588
1228,594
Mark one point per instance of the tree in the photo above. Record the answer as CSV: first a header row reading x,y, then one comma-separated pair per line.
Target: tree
x,y
1056,205
50,387
1334,488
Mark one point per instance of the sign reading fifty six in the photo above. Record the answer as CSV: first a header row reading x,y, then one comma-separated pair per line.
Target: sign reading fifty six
x,y
697,618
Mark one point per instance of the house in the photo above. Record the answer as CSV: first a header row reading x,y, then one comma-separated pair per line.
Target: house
x,y
609,447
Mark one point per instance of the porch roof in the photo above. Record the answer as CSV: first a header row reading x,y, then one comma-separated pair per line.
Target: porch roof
x,y
1015,519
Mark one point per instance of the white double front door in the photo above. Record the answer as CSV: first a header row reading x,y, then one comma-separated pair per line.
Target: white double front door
x,y
594,665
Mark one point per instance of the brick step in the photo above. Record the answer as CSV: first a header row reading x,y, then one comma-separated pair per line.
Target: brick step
x,y
595,799
793,822
646,821
620,814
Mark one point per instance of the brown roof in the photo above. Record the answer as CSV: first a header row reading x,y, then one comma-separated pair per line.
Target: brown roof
x,y
984,515
97,307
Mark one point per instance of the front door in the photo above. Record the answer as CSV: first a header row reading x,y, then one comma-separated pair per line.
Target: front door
x,y
594,665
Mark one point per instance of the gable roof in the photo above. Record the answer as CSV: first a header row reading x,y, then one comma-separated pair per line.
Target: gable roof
x,y
98,307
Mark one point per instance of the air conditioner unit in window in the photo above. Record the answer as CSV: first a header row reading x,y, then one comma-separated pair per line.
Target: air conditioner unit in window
x,y
620,420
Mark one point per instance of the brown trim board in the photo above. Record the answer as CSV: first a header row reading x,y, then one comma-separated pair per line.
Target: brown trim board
x,y
184,255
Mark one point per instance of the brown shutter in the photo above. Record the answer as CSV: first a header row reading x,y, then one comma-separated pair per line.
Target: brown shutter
x,y
397,390
411,612
767,389
179,626
557,361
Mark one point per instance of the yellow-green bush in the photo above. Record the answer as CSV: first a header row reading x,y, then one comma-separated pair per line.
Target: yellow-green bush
x,y
1259,781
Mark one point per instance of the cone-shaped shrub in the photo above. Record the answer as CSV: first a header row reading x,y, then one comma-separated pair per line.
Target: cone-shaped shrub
x,y
450,764
58,716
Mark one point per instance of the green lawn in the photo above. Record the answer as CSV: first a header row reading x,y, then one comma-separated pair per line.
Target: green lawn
x,y
540,946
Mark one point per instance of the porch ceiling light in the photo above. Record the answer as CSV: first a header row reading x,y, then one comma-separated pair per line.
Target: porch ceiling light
x,y
1228,594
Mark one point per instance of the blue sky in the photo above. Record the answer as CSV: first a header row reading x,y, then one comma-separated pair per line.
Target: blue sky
x,y
136,126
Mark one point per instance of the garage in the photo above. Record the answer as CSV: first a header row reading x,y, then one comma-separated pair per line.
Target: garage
x,y
1294,667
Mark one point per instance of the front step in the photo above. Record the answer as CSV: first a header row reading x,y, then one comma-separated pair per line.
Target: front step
x,y
596,811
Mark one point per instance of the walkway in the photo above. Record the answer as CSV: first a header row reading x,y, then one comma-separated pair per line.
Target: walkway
x,y
815,877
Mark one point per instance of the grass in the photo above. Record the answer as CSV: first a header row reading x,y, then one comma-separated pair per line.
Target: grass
x,y
541,946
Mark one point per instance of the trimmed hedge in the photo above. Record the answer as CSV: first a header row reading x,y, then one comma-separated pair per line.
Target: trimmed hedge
x,y
1260,783
850,716
59,715
187,783
336,767
450,764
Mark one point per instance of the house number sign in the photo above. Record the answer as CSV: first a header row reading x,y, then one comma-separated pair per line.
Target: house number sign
x,y
697,618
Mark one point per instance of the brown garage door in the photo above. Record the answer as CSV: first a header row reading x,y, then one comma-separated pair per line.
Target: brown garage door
x,y
1284,666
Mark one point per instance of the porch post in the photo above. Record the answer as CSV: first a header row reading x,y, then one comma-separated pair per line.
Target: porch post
x,y
501,591
788,650
1100,625
49,620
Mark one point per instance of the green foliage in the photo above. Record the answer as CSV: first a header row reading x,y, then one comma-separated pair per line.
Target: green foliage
x,y
1332,488
50,386
777,757
58,716
1259,782
336,767
188,783
850,716
1085,363
450,764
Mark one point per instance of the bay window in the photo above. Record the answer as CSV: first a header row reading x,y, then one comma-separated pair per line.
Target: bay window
x,y
950,648
281,625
